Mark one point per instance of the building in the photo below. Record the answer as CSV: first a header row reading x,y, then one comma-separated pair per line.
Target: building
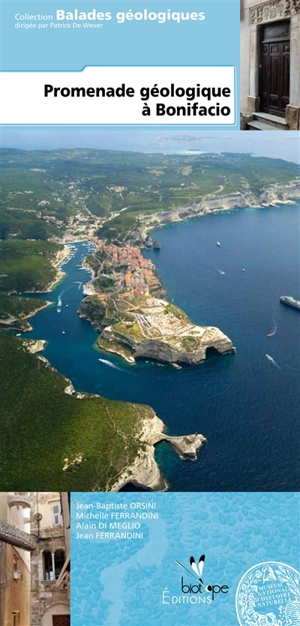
x,y
50,561
270,64
34,559
16,544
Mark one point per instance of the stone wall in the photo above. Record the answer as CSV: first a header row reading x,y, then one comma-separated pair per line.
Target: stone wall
x,y
46,598
14,593
254,13
15,547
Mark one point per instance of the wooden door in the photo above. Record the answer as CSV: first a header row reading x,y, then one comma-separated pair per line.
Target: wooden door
x,y
274,69
61,620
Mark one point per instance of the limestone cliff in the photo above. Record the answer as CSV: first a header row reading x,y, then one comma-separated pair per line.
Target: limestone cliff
x,y
151,328
171,350
273,194
144,471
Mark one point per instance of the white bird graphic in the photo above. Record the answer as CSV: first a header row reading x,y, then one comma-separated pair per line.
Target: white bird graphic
x,y
198,569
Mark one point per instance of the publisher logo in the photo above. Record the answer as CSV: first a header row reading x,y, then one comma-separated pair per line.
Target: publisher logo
x,y
196,567
269,595
192,586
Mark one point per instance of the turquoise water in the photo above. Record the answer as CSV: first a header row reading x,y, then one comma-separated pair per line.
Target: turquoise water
x,y
245,404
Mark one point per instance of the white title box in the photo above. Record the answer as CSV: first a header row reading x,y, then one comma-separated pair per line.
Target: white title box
x,y
141,95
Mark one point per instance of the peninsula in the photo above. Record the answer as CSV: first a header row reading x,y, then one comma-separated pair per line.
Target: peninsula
x,y
69,440
133,318
103,444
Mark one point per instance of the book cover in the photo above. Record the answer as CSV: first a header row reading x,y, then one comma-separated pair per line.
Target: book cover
x,y
194,559
149,313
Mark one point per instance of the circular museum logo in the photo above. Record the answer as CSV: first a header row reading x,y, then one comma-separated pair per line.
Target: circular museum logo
x,y
269,595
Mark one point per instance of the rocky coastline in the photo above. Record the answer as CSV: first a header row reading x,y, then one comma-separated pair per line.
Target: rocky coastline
x,y
133,318
61,257
36,345
20,324
164,352
144,471
157,348
270,196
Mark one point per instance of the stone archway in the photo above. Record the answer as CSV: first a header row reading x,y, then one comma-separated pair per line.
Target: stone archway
x,y
57,615
267,13
211,351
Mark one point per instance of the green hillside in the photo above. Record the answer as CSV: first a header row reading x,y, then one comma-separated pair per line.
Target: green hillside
x,y
13,310
26,265
41,426
41,189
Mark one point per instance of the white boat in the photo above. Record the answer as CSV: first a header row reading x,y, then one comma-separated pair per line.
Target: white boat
x,y
218,243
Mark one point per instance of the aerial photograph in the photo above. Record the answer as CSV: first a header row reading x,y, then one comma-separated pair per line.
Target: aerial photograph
x,y
149,310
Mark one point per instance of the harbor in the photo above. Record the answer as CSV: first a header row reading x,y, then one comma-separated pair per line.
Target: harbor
x,y
237,403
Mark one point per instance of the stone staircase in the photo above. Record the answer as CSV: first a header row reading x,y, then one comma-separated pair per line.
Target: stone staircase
x,y
265,121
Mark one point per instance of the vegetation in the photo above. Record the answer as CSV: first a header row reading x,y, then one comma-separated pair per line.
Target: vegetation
x,y
189,343
93,309
131,330
26,265
41,426
14,309
103,284
179,313
23,225
113,346
41,194
41,189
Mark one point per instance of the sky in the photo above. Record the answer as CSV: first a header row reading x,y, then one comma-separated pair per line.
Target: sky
x,y
279,144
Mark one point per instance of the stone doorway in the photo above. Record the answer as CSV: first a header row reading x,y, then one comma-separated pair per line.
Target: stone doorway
x,y
270,64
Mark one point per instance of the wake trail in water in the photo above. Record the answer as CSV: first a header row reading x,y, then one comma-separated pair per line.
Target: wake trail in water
x,y
273,331
115,367
270,358
59,300
220,271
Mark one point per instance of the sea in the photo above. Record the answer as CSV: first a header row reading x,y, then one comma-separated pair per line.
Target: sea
x,y
245,404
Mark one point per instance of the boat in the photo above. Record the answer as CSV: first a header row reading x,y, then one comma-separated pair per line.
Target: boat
x,y
156,245
290,301
218,243
273,331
